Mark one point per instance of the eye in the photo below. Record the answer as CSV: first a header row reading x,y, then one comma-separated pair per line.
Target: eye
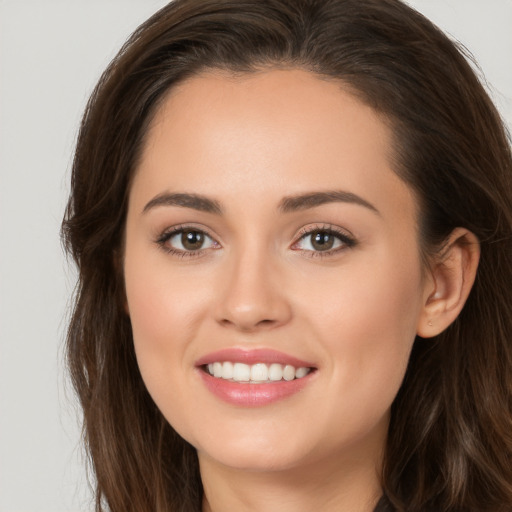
x,y
323,240
186,241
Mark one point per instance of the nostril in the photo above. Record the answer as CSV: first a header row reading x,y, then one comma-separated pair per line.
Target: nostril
x,y
248,326
266,322
247,310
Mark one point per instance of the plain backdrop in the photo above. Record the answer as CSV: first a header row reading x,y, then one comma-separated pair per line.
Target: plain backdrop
x,y
51,54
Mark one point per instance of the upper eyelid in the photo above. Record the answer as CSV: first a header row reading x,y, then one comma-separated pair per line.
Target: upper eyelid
x,y
172,230
307,230
346,238
167,233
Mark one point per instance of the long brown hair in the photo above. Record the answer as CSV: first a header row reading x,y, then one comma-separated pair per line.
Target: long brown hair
x,y
450,436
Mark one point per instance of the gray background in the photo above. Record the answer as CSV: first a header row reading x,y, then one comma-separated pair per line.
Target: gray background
x,y
51,54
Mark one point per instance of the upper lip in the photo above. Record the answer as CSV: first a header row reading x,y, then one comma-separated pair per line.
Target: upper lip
x,y
252,356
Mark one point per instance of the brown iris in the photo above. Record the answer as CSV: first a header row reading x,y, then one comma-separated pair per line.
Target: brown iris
x,y
322,240
192,240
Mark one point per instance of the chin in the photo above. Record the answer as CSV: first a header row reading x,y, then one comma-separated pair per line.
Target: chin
x,y
253,460
255,452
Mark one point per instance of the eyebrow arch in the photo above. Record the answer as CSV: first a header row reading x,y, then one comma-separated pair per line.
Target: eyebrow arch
x,y
310,200
194,201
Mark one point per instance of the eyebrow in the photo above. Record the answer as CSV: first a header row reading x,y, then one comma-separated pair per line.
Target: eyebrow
x,y
286,205
310,200
194,201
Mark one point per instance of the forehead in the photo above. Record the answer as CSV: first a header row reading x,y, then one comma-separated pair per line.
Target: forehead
x,y
287,128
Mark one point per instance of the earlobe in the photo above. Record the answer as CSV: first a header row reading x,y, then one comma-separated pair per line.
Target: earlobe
x,y
451,278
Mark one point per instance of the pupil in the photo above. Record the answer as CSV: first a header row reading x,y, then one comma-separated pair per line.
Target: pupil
x,y
322,241
192,240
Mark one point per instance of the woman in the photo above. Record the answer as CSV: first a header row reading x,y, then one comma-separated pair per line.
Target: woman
x,y
292,222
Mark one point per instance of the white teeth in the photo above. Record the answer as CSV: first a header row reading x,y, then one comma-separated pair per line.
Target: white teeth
x,y
259,372
288,372
227,370
217,369
301,372
275,372
241,372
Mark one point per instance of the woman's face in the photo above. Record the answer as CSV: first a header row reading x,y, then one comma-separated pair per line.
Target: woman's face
x,y
268,233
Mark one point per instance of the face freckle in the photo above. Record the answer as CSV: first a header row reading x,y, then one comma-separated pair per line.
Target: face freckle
x,y
245,169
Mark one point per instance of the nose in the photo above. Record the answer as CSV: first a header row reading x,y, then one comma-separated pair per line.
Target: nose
x,y
252,296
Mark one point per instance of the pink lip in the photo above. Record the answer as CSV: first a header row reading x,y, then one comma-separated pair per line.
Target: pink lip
x,y
253,394
259,355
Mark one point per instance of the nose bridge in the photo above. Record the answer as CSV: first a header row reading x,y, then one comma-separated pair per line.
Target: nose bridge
x,y
252,297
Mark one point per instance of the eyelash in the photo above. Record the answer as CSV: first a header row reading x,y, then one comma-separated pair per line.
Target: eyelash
x,y
347,241
175,230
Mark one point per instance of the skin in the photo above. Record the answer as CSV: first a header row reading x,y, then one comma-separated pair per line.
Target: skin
x,y
247,142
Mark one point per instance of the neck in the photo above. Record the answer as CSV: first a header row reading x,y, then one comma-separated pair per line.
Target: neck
x,y
330,486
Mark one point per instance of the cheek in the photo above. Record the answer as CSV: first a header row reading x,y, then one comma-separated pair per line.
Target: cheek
x,y
367,318
163,320
162,302
164,314
151,306
378,291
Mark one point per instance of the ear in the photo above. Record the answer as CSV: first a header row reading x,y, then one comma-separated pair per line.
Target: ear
x,y
450,280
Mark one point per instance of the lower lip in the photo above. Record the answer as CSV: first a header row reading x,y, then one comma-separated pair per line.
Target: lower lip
x,y
253,394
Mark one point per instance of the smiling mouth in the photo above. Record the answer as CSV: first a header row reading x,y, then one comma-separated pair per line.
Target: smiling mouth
x,y
255,373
